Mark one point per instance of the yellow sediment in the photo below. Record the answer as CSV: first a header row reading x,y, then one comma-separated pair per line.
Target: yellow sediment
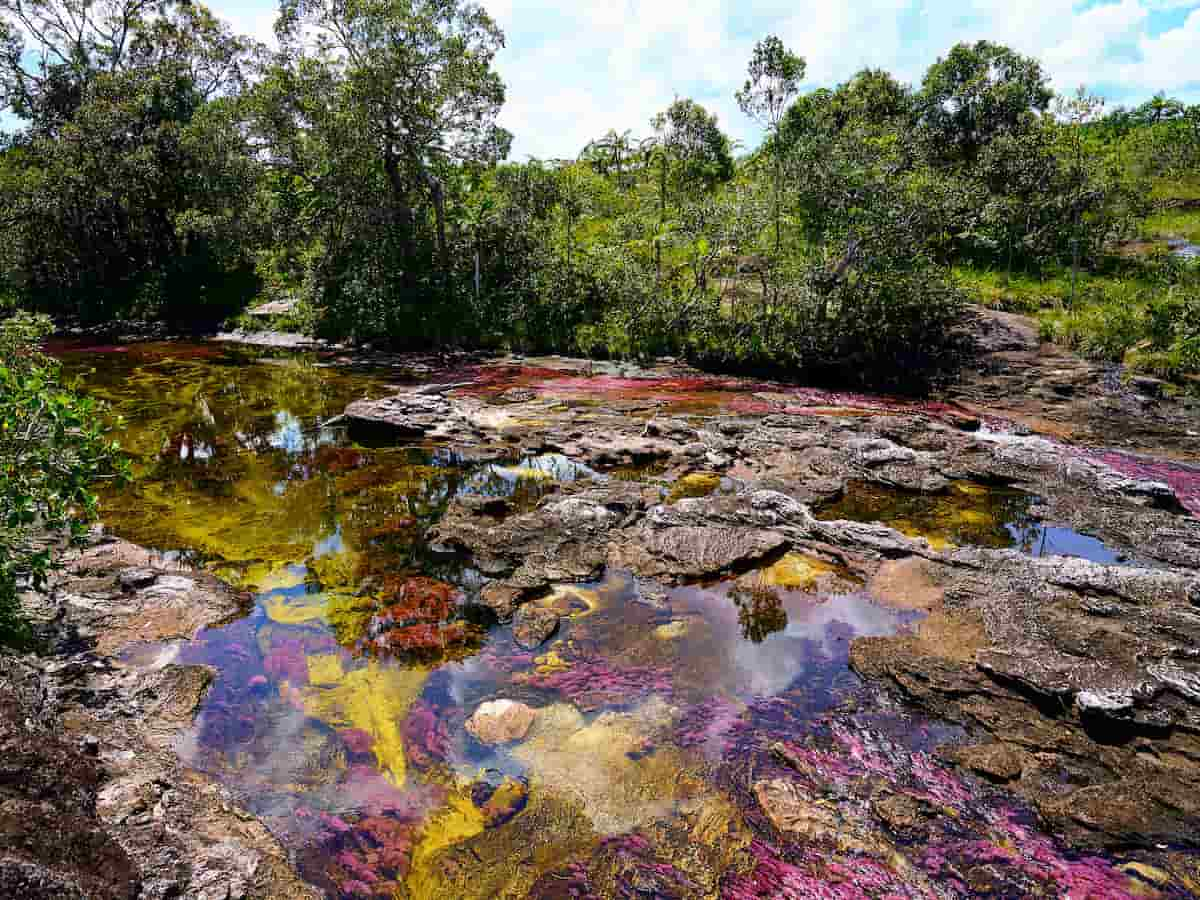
x,y
295,611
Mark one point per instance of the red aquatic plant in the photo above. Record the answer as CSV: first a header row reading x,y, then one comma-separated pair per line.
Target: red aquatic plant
x,y
426,737
418,617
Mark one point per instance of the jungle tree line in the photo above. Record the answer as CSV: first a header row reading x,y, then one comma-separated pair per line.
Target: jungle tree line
x,y
167,167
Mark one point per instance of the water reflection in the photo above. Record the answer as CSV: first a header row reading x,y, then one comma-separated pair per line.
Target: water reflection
x,y
966,514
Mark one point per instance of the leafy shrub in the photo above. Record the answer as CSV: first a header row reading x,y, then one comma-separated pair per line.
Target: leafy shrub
x,y
53,446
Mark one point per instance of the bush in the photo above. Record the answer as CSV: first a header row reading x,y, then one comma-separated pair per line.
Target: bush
x,y
53,447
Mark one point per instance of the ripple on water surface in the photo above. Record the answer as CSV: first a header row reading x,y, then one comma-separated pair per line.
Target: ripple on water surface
x,y
707,740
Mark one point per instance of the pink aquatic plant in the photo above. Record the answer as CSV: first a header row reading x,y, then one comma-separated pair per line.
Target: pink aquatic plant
x,y
1184,479
593,683
288,662
817,876
426,737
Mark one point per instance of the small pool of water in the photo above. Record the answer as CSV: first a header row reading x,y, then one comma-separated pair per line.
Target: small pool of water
x,y
966,514
338,711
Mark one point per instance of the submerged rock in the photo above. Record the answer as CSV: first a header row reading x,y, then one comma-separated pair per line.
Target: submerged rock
x,y
533,626
500,722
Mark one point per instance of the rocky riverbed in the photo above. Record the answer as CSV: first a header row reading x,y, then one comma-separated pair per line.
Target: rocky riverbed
x,y
559,629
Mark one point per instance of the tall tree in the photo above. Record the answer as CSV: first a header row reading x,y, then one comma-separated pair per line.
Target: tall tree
x,y
774,76
976,92
132,181
417,76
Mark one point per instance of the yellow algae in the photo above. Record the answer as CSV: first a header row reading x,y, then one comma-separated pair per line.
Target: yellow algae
x,y
459,821
348,616
374,699
796,570
550,663
672,630
695,484
547,834
573,600
524,472
971,488
325,669
966,514
295,610
598,765
336,571
268,577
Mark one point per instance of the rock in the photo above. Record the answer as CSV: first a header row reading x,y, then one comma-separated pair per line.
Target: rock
x,y
793,810
132,579
533,626
409,414
901,813
693,552
501,721
1104,704
501,599
997,762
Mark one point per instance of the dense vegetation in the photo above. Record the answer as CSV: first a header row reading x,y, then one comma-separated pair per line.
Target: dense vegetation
x,y
53,448
168,168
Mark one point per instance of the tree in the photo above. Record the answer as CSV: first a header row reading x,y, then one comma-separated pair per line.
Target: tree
x,y
975,93
132,181
774,80
1074,114
416,76
693,156
697,154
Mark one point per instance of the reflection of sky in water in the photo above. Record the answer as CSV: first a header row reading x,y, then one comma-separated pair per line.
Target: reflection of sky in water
x,y
1050,540
288,434
815,642
331,545
548,466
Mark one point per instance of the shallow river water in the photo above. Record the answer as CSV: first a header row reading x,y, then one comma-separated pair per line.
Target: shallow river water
x,y
338,709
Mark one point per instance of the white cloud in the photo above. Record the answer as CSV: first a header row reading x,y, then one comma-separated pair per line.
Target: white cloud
x,y
576,69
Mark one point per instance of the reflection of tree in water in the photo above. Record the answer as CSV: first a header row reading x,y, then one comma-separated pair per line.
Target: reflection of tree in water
x,y
760,611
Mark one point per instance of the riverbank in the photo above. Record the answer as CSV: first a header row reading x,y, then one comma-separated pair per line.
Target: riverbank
x,y
96,802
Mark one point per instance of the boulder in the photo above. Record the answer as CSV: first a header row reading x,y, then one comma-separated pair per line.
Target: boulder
x,y
501,722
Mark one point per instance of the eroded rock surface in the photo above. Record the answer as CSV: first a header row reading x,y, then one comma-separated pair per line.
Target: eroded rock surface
x,y
1082,678
100,805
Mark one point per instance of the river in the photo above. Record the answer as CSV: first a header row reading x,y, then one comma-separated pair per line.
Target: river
x,y
665,725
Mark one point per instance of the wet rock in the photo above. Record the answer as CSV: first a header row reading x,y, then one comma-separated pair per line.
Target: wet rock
x,y
500,803
533,626
501,721
141,824
501,599
901,813
693,552
406,415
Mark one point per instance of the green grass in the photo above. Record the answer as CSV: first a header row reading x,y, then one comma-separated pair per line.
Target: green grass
x,y
1123,313
1182,223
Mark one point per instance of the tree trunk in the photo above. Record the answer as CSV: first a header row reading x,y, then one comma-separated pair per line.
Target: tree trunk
x,y
778,191
402,215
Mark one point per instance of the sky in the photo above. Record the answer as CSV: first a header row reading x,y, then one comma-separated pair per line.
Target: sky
x,y
576,68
